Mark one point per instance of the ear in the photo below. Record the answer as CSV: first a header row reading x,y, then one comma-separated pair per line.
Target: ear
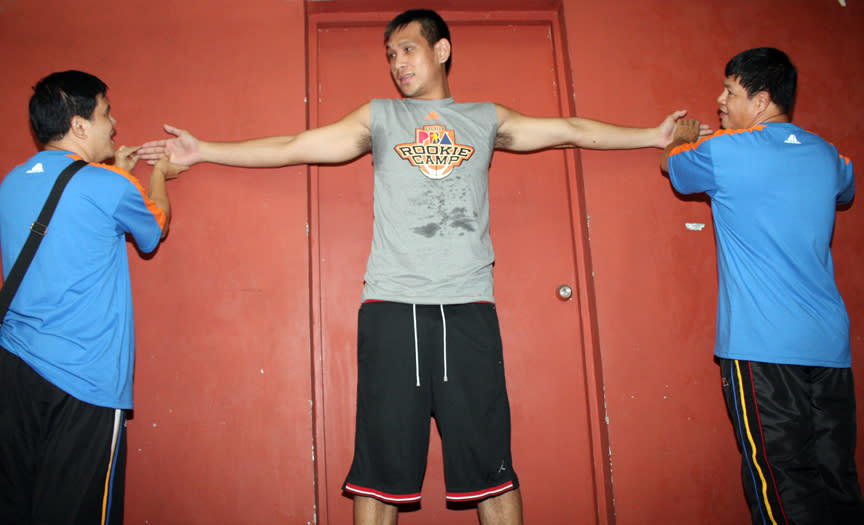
x,y
442,50
79,127
762,100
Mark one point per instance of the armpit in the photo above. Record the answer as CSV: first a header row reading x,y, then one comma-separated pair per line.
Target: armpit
x,y
365,143
503,140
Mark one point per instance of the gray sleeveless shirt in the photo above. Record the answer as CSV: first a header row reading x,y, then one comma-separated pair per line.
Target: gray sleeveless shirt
x,y
430,241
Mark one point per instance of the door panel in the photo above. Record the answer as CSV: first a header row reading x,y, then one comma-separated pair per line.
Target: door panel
x,y
512,63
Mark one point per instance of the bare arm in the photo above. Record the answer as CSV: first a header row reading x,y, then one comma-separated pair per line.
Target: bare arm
x,y
341,141
158,191
518,132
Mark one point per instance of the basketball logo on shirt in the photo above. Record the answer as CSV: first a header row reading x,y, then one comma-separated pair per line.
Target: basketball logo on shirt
x,y
435,151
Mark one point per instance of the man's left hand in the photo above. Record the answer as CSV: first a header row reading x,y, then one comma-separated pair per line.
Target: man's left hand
x,y
126,157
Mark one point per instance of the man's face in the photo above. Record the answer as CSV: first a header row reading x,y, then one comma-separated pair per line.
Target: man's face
x,y
101,131
737,110
414,63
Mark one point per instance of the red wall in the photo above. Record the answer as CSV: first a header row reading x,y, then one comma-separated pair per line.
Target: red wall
x,y
222,431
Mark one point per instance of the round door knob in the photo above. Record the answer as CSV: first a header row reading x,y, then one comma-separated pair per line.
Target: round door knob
x,y
564,292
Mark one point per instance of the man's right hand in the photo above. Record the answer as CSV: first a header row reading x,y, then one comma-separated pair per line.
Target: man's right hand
x,y
687,130
183,149
170,169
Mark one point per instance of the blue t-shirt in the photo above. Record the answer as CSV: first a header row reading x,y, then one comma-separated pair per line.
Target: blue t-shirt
x,y
71,320
774,191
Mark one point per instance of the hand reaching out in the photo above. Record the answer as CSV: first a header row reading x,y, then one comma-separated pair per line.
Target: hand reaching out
x,y
182,149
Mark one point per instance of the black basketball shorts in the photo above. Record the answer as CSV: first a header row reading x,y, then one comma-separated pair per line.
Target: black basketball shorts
x,y
416,362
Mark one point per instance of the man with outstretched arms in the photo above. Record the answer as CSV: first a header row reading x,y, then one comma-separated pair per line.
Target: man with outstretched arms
x,y
782,329
67,356
429,340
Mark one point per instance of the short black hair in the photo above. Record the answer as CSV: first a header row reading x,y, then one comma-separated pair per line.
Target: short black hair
x,y
766,69
59,97
432,27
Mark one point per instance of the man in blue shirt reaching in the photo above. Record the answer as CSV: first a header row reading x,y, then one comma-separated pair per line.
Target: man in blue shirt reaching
x,y
67,355
782,328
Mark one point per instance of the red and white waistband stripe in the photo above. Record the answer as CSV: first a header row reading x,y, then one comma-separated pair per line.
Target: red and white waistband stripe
x,y
480,494
383,496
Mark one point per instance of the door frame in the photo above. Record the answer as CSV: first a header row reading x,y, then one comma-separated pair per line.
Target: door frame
x,y
583,287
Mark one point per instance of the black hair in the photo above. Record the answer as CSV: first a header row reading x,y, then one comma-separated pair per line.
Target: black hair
x,y
766,69
432,27
59,97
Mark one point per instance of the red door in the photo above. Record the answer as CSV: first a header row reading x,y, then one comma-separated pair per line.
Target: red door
x,y
514,61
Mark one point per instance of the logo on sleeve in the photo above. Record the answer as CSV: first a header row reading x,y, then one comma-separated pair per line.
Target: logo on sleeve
x,y
435,151
37,168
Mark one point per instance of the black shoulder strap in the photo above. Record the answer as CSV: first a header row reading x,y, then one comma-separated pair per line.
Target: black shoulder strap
x,y
37,231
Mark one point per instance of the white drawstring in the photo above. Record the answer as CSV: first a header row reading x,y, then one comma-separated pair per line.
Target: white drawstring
x,y
416,346
444,324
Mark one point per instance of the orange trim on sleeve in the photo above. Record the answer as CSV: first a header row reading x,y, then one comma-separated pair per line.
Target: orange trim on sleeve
x,y
720,132
157,212
681,148
843,157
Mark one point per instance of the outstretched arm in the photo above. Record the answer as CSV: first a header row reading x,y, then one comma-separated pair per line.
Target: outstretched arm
x,y
518,132
341,141
686,130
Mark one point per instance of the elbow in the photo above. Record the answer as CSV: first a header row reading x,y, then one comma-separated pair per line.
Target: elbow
x,y
165,207
167,225
664,158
